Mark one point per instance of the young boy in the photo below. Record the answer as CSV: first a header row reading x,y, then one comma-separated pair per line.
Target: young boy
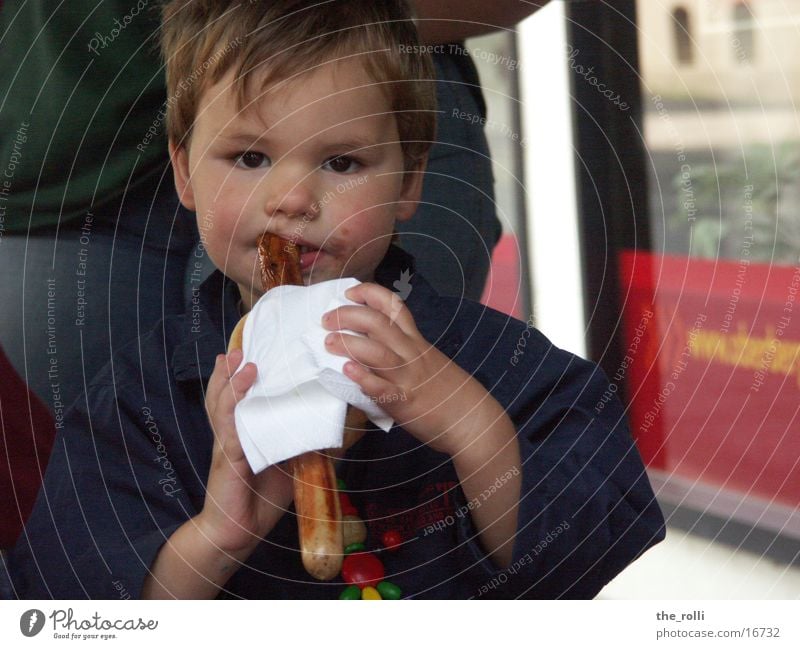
x,y
312,121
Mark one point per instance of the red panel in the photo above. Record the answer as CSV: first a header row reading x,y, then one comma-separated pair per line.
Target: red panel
x,y
714,374
26,437
502,291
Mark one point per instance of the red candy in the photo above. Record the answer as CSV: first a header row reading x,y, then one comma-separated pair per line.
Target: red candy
x,y
347,507
363,569
391,539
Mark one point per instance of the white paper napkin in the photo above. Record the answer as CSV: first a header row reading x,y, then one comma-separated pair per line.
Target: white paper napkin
x,y
299,400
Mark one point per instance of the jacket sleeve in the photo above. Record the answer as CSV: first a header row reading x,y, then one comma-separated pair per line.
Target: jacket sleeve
x,y
586,506
111,496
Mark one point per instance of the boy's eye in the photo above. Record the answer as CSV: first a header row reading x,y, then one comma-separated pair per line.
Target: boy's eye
x,y
251,160
342,164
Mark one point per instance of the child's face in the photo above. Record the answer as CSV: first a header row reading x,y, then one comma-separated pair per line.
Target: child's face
x,y
316,161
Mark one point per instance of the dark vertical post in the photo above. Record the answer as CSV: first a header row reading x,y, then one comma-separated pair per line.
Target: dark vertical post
x,y
610,161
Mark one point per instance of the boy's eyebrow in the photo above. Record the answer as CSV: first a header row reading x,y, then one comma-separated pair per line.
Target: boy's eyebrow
x,y
350,143
353,143
240,137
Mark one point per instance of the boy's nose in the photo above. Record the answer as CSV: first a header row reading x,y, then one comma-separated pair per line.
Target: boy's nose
x,y
289,194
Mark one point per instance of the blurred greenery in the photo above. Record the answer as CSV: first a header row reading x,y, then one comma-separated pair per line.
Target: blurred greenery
x,y
716,195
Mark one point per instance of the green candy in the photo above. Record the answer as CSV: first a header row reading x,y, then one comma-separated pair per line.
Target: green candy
x,y
351,592
354,547
389,591
340,484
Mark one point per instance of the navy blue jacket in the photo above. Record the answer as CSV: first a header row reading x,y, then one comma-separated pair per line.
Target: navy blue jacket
x,y
131,463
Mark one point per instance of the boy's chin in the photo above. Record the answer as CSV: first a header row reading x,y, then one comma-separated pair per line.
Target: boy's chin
x,y
320,273
315,277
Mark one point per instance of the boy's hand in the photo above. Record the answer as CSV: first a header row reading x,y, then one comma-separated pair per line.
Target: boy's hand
x,y
240,507
421,388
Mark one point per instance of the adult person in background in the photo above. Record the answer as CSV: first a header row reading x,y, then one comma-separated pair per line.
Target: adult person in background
x,y
94,244
93,241
455,229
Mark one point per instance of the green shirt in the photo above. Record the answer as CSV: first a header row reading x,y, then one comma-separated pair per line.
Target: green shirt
x,y
82,98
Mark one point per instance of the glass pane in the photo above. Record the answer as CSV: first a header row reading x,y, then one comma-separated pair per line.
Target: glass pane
x,y
496,60
712,310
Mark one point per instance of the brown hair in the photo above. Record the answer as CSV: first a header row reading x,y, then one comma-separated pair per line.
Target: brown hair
x,y
275,40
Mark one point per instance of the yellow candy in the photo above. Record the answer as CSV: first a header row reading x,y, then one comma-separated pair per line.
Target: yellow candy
x,y
370,593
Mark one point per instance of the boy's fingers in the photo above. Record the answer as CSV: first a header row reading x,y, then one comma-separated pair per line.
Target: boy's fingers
x,y
232,448
216,374
369,322
232,362
238,385
364,350
383,300
231,390
215,384
224,367
374,386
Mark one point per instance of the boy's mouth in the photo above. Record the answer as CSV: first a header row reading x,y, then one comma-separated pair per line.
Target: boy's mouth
x,y
308,255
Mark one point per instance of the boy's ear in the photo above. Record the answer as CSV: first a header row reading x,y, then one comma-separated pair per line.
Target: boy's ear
x,y
411,191
179,157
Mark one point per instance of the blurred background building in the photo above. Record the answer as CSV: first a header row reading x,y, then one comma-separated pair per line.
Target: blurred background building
x,y
647,167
